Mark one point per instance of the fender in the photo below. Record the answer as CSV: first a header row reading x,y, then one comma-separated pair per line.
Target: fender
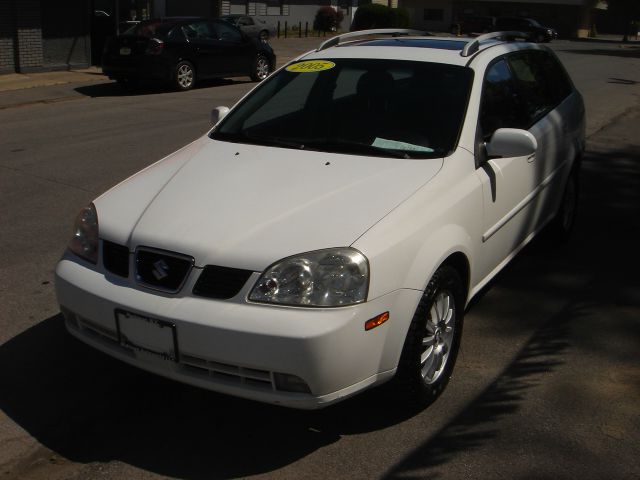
x,y
447,241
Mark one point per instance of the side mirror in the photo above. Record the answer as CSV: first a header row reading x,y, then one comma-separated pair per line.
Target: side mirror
x,y
511,142
218,114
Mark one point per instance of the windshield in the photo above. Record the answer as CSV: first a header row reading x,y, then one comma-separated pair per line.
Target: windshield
x,y
388,108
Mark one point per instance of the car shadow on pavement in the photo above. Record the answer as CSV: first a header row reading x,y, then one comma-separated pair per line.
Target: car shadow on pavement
x,y
114,89
87,407
595,270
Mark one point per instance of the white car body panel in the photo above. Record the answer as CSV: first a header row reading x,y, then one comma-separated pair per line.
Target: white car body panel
x,y
247,206
415,236
294,202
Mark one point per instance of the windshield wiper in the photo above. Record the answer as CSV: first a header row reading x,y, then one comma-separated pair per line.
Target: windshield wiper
x,y
344,146
333,145
243,137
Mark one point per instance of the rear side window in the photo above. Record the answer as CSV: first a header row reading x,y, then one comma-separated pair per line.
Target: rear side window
x,y
199,31
541,83
227,32
176,33
150,29
555,75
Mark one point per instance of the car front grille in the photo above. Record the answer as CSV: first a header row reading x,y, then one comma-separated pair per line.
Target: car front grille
x,y
227,374
115,258
162,270
221,282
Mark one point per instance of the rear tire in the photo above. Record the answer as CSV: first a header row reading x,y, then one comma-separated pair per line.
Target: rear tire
x,y
261,68
184,76
432,343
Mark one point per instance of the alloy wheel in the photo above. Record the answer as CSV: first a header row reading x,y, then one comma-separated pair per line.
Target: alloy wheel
x,y
185,76
438,337
262,68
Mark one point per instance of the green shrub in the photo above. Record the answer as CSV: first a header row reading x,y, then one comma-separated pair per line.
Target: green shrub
x,y
327,19
373,15
401,17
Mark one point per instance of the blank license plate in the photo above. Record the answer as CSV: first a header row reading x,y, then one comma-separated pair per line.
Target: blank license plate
x,y
150,335
125,51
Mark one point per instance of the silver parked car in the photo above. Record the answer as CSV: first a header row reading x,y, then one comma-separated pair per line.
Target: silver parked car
x,y
252,26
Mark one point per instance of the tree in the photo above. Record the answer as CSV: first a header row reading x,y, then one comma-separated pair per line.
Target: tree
x,y
327,19
627,9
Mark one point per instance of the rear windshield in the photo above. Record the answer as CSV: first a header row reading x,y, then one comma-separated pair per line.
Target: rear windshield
x,y
151,28
389,108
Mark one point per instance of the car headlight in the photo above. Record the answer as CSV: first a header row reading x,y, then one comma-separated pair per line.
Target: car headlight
x,y
325,278
84,242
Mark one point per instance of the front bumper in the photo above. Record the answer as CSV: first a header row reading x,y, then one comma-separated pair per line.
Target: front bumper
x,y
236,347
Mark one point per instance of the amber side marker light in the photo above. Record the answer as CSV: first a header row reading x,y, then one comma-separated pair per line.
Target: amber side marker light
x,y
376,321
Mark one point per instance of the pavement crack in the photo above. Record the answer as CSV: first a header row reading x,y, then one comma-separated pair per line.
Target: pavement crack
x,y
46,179
46,101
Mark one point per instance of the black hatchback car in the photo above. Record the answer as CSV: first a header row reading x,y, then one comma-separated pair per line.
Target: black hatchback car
x,y
182,51
537,33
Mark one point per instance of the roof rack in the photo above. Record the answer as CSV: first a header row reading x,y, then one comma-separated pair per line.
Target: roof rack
x,y
394,32
474,45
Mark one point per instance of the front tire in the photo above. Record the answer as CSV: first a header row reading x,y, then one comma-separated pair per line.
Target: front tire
x,y
432,343
261,68
184,76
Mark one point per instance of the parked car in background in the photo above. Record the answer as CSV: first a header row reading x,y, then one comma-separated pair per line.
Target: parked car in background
x,y
329,232
124,27
252,26
537,32
182,51
473,24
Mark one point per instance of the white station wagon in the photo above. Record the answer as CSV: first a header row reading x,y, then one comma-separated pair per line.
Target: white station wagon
x,y
328,233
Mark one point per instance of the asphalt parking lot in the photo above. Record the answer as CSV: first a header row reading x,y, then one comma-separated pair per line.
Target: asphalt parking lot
x,y
547,384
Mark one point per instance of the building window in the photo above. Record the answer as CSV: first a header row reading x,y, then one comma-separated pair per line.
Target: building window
x,y
238,7
435,14
275,7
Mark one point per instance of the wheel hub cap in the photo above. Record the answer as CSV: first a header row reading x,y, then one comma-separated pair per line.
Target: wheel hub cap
x,y
438,337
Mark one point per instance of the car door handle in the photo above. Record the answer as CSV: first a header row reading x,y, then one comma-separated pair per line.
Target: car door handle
x,y
531,158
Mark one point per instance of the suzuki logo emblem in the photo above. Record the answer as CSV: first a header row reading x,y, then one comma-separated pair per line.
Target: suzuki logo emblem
x,y
160,270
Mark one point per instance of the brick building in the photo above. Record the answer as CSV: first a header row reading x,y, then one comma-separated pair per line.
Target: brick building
x,y
44,35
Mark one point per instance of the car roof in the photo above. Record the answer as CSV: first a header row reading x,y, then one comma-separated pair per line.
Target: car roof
x,y
449,50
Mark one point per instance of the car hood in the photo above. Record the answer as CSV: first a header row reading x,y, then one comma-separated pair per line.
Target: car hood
x,y
246,206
